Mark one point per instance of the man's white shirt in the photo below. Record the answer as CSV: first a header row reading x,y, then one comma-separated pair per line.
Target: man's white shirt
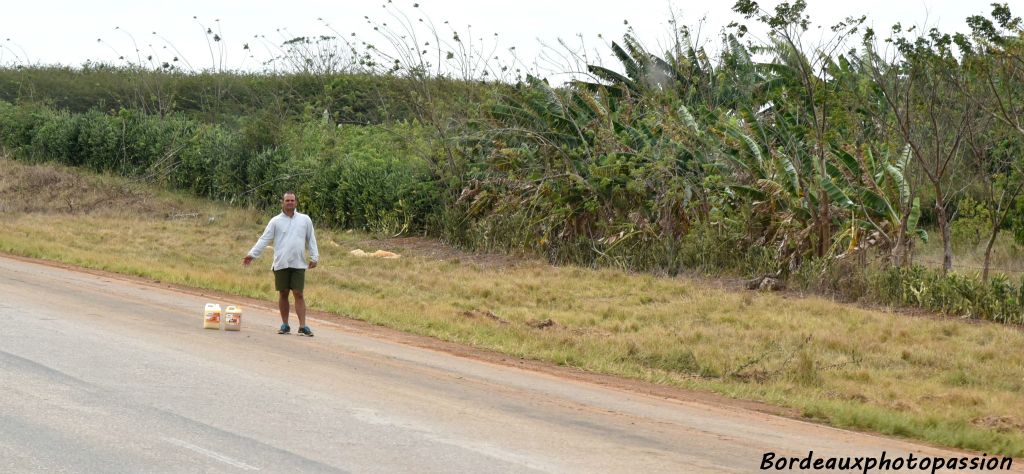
x,y
290,235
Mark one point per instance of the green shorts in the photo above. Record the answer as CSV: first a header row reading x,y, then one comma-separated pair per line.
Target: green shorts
x,y
289,279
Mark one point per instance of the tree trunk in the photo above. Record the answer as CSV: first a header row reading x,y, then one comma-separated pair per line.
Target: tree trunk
x,y
896,256
824,229
988,253
947,244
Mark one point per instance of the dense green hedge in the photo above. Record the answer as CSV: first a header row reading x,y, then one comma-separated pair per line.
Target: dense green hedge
x,y
374,177
225,97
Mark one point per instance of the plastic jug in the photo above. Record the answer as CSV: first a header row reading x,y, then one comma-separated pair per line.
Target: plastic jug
x,y
211,316
232,318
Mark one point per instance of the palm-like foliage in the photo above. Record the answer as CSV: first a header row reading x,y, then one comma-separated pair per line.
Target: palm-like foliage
x,y
622,165
647,151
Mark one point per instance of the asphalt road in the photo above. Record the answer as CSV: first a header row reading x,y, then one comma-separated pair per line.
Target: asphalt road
x,y
103,374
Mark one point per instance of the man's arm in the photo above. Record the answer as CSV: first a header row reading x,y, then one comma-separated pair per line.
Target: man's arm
x,y
314,252
261,243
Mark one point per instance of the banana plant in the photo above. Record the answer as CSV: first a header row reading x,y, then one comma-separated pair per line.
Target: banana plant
x,y
888,213
871,203
783,196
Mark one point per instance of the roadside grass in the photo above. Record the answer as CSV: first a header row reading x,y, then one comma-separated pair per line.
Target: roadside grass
x,y
952,382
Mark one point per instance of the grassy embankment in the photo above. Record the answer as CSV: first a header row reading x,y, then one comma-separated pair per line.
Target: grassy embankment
x,y
946,381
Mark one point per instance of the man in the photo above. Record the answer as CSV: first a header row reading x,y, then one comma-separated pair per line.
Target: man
x,y
291,231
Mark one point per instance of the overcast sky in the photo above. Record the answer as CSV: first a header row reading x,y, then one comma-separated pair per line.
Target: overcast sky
x,y
66,31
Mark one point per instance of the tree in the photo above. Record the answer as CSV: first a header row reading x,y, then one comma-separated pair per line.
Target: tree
x,y
996,86
919,84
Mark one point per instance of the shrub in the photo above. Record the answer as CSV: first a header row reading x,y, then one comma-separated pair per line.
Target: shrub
x,y
56,138
962,295
971,226
361,176
19,123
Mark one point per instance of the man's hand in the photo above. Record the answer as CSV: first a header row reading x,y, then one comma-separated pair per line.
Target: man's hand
x,y
312,264
247,260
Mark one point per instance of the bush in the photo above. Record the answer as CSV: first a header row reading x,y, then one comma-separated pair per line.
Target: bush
x,y
362,176
56,138
369,177
972,225
997,300
98,142
19,123
843,279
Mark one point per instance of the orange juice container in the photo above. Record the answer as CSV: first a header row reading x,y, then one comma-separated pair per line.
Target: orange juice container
x,y
232,318
211,316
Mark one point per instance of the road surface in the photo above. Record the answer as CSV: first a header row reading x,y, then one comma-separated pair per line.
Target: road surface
x,y
107,374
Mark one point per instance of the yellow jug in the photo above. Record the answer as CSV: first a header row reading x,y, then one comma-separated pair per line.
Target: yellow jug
x,y
211,316
232,318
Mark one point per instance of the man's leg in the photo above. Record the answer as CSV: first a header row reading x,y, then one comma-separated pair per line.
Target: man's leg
x,y
281,284
297,284
282,304
300,307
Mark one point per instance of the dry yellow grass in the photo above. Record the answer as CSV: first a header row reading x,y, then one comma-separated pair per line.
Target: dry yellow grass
x,y
952,382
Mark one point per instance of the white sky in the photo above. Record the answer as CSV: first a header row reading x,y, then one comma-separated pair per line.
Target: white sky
x,y
66,31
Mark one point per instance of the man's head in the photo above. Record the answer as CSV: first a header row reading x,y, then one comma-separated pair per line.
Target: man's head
x,y
288,202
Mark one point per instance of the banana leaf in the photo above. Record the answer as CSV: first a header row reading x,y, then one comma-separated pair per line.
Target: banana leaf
x,y
754,193
835,194
687,118
912,219
901,184
877,205
847,160
789,175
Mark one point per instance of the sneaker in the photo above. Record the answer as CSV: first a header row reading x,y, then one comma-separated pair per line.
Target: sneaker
x,y
305,331
285,329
